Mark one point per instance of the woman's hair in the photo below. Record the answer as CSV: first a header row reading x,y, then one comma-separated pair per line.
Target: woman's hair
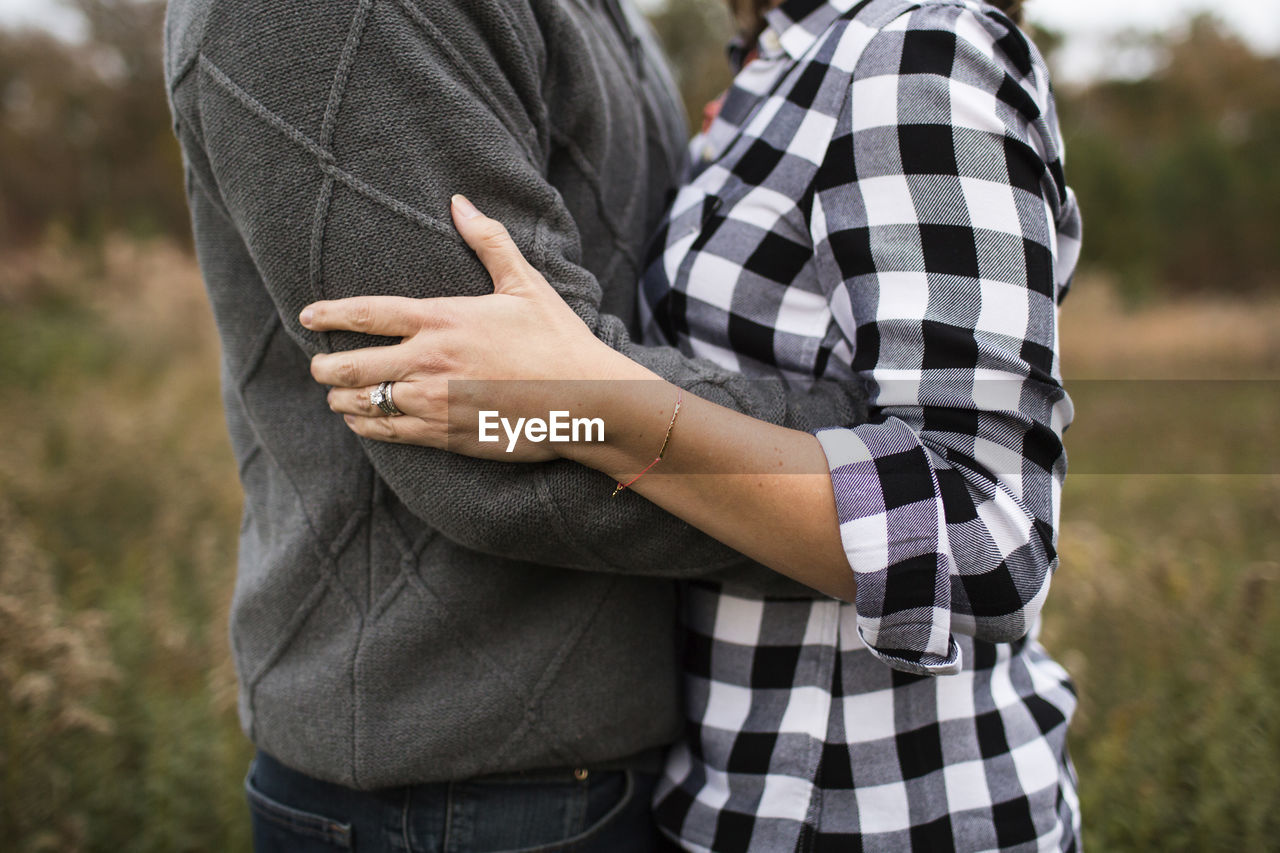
x,y
749,14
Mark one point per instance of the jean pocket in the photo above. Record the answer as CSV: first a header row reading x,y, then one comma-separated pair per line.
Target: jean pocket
x,y
608,814
614,821
278,827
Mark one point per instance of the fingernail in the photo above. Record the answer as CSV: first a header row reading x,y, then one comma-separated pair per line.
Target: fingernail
x,y
305,317
350,419
464,207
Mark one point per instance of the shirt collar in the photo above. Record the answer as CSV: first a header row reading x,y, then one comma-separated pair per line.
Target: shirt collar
x,y
797,24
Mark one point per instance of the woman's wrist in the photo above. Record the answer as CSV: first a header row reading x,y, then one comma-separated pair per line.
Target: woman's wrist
x,y
634,407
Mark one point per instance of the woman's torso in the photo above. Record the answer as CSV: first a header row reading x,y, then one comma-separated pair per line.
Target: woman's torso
x,y
798,737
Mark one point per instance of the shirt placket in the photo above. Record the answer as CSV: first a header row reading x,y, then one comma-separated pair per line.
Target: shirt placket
x,y
815,669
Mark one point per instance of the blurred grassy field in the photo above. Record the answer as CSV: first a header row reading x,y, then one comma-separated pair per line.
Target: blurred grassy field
x,y
119,511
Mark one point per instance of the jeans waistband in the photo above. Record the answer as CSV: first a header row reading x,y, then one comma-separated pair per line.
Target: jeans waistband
x,y
649,761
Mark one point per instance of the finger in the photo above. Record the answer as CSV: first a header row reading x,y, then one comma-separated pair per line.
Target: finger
x,y
394,430
393,316
492,244
356,401
361,367
379,429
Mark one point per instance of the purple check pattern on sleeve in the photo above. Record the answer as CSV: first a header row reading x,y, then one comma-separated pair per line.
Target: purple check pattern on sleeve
x,y
881,199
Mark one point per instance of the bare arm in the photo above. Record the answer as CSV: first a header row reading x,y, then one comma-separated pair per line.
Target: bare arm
x,y
760,488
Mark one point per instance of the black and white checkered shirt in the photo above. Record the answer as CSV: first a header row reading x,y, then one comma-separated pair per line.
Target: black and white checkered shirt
x,y
882,197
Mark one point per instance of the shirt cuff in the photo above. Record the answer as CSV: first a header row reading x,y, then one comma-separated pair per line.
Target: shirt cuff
x,y
895,539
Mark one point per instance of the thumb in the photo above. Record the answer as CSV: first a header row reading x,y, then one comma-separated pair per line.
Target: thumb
x,y
489,239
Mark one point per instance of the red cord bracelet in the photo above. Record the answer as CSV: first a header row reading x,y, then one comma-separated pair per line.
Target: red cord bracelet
x,y
661,450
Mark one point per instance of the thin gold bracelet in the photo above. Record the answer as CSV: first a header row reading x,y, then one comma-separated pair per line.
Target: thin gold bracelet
x,y
661,451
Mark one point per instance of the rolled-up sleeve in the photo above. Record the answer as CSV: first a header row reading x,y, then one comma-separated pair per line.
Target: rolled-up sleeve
x,y
947,238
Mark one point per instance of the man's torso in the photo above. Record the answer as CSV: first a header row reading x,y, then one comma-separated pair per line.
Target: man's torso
x,y
371,650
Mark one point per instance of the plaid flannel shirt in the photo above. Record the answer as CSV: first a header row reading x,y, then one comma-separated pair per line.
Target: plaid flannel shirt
x,y
881,198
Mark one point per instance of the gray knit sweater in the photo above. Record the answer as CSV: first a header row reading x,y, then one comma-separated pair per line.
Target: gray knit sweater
x,y
402,614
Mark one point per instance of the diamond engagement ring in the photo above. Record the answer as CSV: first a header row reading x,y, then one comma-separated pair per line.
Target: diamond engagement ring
x,y
381,397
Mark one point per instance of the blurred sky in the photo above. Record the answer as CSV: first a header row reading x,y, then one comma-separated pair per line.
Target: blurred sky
x,y
1088,25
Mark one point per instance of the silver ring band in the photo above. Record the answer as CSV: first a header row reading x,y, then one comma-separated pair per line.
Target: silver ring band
x,y
381,397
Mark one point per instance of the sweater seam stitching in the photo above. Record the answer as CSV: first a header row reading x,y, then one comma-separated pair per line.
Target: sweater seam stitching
x,y
324,158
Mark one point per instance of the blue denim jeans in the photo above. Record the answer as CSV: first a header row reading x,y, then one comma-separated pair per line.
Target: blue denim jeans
x,y
608,811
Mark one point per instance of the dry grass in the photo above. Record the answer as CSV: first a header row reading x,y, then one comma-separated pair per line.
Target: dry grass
x,y
119,511
1189,338
1166,608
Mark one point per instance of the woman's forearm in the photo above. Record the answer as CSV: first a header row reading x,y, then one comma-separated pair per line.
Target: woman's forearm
x,y
762,489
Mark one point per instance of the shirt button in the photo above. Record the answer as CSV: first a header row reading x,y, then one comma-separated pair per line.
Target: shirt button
x,y
770,42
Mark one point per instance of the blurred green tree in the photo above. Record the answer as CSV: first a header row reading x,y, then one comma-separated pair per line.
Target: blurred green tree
x,y
85,138
1179,172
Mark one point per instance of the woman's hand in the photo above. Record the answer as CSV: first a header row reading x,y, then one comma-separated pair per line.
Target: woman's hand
x,y
522,331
